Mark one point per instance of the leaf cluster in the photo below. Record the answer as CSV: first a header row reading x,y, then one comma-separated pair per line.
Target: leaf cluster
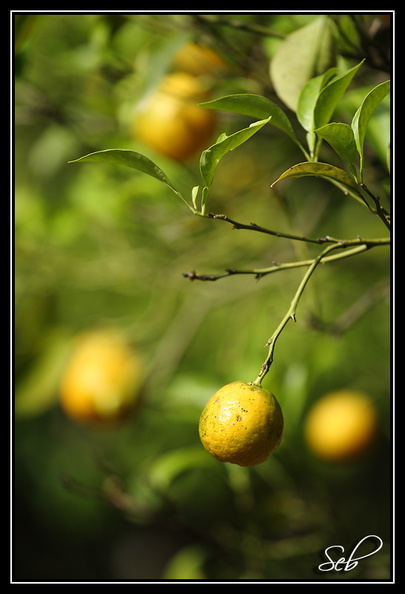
x,y
316,105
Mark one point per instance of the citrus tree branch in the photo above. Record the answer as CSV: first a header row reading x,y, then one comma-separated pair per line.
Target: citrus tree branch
x,y
291,313
260,272
318,240
259,229
379,210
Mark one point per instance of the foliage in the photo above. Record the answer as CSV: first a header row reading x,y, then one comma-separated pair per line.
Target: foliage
x,y
98,245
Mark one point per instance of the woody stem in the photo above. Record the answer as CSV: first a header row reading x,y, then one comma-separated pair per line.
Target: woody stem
x,y
291,313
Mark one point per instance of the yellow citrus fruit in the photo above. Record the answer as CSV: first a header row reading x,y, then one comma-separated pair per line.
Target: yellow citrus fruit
x,y
101,382
171,122
198,60
341,425
241,423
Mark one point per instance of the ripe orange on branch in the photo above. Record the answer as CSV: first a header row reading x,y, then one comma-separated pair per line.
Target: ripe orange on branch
x,y
241,423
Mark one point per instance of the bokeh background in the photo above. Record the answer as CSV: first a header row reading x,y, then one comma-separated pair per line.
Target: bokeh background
x,y
103,246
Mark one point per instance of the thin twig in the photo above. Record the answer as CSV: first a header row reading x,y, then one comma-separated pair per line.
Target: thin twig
x,y
379,210
291,314
258,273
317,240
260,229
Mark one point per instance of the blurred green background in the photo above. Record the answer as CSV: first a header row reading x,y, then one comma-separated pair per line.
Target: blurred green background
x,y
102,246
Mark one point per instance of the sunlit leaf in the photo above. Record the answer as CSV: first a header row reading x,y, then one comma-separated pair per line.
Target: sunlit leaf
x,y
256,106
309,96
130,159
335,175
210,157
341,138
330,96
363,114
305,53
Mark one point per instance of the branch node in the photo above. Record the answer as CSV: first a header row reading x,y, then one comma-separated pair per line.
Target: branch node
x,y
325,239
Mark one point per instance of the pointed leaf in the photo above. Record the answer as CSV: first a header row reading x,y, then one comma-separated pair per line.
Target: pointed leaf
x,y
330,96
129,159
309,96
256,106
211,156
341,138
305,53
335,175
363,114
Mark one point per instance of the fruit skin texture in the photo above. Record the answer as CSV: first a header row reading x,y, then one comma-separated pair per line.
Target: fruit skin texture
x,y
171,122
242,424
100,384
341,425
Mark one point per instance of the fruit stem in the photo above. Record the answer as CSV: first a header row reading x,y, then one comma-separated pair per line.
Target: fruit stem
x,y
290,315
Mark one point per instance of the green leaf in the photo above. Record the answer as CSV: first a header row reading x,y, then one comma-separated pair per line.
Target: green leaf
x,y
335,175
204,197
130,159
309,96
305,53
363,114
255,106
210,157
194,194
330,96
341,138
173,463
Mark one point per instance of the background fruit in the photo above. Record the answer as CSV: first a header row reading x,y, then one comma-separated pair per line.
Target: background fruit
x,y
197,59
171,122
242,424
341,425
100,384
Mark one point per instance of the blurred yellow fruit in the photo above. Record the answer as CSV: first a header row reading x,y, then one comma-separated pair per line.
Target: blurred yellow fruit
x,y
171,122
341,425
241,423
101,382
197,59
